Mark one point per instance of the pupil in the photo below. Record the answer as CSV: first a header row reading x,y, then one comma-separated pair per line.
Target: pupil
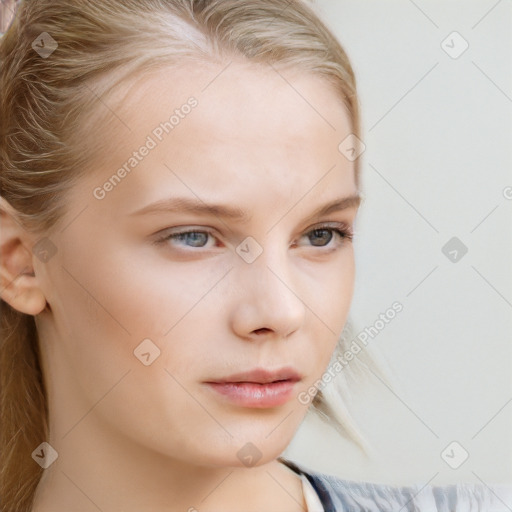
x,y
196,237
326,238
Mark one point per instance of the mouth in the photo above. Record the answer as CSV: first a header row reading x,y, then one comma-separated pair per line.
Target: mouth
x,y
257,388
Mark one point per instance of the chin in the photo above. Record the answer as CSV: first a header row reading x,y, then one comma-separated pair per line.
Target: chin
x,y
246,450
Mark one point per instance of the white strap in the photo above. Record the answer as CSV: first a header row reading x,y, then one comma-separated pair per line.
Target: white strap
x,y
311,498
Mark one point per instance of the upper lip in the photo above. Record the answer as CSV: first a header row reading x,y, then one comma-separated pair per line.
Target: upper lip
x,y
262,376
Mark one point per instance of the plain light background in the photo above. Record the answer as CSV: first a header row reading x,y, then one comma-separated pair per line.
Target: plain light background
x,y
437,165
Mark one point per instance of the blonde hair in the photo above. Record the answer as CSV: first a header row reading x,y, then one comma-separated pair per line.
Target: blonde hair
x,y
47,103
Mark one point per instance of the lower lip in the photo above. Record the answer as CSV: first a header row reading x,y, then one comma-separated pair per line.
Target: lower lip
x,y
251,394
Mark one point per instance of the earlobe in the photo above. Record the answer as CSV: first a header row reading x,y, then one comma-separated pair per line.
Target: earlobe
x,y
19,286
22,295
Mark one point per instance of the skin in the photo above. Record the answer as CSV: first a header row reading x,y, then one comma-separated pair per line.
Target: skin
x,y
133,437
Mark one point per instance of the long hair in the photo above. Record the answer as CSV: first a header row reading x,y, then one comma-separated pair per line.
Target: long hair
x,y
48,99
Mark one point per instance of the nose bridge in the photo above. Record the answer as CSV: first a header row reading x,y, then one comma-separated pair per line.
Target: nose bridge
x,y
270,261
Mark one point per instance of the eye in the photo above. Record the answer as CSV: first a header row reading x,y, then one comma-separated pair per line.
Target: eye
x,y
190,238
321,236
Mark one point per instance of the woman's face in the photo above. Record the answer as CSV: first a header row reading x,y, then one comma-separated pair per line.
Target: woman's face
x,y
174,341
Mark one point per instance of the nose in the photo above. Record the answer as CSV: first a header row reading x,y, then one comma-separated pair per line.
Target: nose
x,y
267,305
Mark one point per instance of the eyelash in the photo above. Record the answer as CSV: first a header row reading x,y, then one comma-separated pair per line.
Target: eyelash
x,y
344,231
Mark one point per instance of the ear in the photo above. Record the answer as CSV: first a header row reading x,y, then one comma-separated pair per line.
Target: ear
x,y
19,285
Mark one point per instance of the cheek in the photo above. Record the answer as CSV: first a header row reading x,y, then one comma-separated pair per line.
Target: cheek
x,y
331,290
118,290
93,299
333,300
106,305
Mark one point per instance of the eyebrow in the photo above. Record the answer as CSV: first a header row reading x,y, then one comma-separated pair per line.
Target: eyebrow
x,y
189,205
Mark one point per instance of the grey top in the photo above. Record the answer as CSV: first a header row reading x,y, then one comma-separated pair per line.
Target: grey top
x,y
338,495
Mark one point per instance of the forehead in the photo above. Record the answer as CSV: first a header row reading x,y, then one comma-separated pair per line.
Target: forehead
x,y
249,125
235,99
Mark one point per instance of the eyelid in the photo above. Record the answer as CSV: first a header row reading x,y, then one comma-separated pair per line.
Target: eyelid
x,y
331,224
191,227
164,234
346,227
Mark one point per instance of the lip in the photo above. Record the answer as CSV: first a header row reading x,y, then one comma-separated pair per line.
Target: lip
x,y
258,388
